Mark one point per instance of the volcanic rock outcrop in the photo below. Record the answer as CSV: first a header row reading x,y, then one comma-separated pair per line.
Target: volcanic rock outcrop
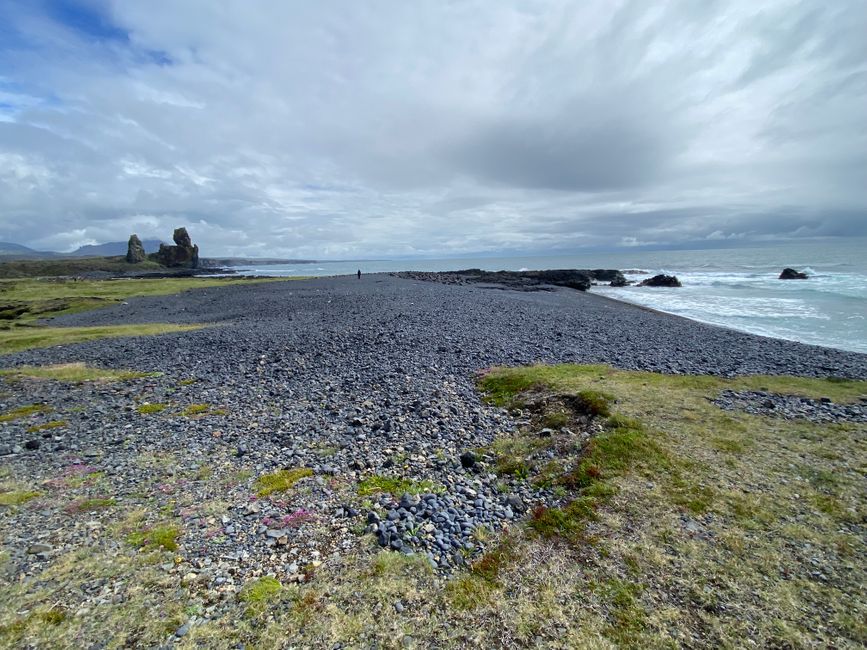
x,y
183,253
792,274
135,251
661,281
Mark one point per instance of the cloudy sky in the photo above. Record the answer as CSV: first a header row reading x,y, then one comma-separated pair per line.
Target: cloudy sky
x,y
392,128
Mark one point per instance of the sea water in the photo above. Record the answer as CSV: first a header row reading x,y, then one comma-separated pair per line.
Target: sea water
x,y
736,288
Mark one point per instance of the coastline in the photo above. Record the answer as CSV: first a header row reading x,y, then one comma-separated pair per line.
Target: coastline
x,y
328,437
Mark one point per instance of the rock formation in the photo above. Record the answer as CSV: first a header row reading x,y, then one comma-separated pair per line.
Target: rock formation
x,y
792,274
135,251
183,253
660,281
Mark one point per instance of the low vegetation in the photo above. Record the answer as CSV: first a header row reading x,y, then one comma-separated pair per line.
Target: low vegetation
x,y
377,484
25,338
281,480
73,373
673,524
26,303
24,412
164,537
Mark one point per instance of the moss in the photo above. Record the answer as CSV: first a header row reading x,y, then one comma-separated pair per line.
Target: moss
x,y
469,592
90,505
281,480
17,497
567,522
73,373
377,484
158,537
54,424
202,409
24,411
259,593
148,409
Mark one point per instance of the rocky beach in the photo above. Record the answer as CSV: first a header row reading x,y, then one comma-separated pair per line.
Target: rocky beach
x,y
360,395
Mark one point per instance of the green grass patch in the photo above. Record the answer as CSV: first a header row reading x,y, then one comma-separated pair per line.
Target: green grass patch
x,y
281,480
148,409
47,426
24,412
73,373
157,537
258,594
17,497
26,338
90,505
377,484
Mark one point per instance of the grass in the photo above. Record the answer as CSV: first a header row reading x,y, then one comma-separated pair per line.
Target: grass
x,y
377,484
280,481
157,537
677,525
17,497
257,594
26,338
202,409
47,426
148,409
24,412
90,505
73,373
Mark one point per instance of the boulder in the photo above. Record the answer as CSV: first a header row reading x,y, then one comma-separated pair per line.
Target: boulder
x,y
792,274
661,281
135,251
618,280
183,253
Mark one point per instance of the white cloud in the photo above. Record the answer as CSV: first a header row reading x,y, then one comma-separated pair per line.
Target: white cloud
x,y
353,129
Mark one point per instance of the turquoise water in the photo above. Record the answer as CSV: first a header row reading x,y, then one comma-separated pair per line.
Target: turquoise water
x,y
736,288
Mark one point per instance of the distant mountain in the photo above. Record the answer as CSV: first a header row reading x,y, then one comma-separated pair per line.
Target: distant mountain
x,y
113,248
9,250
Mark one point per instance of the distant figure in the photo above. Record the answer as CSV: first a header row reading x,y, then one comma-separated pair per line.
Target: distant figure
x,y
359,274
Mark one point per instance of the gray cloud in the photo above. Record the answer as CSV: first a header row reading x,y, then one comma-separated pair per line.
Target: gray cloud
x,y
330,130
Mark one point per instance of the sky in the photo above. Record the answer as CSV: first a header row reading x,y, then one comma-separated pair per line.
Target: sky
x,y
336,129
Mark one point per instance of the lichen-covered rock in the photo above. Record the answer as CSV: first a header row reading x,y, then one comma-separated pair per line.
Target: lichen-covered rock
x,y
135,251
183,253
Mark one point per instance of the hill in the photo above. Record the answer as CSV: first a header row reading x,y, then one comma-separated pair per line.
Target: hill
x,y
113,248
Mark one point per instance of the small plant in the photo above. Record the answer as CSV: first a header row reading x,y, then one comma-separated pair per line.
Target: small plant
x,y
17,497
89,505
594,402
147,409
158,537
281,480
196,409
377,484
55,424
187,382
258,593
24,411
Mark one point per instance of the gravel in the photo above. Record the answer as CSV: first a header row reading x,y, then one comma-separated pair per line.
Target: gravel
x,y
792,407
347,377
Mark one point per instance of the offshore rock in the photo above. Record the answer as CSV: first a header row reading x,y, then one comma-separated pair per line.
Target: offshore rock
x,y
792,274
135,251
661,281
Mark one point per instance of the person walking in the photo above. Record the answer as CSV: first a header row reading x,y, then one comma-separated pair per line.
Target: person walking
x,y
359,274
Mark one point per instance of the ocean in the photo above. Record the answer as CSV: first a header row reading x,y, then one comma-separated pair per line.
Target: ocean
x,y
735,288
